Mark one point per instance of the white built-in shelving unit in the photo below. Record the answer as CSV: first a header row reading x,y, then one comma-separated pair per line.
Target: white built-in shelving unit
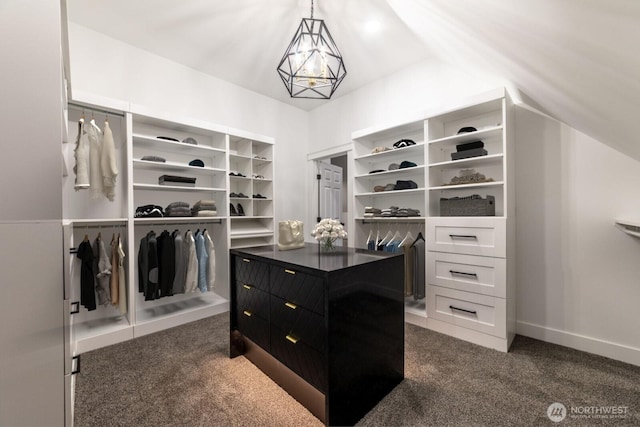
x,y
470,275
136,131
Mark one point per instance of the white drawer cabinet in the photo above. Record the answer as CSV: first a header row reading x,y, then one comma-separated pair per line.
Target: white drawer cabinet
x,y
467,235
478,312
482,275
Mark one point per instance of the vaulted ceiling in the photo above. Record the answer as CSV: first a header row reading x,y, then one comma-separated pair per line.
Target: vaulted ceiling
x,y
576,60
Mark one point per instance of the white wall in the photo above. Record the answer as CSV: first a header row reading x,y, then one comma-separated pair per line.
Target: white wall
x,y
577,273
106,67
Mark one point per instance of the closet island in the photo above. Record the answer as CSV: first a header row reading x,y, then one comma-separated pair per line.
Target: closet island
x,y
327,327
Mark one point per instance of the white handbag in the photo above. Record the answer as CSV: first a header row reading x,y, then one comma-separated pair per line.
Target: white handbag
x,y
290,234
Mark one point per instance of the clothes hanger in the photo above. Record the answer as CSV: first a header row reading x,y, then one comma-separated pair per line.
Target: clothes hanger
x,y
370,236
408,238
396,237
420,237
86,238
387,238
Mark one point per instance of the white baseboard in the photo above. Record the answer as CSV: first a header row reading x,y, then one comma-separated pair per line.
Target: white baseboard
x,y
592,345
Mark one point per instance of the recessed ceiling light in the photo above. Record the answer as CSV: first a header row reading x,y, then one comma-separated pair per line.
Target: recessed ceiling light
x,y
373,26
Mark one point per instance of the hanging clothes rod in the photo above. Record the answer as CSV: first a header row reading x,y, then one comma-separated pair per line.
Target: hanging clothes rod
x,y
392,221
161,223
95,110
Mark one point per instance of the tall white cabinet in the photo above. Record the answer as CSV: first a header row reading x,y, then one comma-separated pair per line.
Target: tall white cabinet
x,y
470,260
150,145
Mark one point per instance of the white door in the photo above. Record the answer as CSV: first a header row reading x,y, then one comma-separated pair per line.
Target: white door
x,y
330,191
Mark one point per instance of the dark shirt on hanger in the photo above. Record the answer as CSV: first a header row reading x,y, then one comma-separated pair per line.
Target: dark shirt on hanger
x,y
87,278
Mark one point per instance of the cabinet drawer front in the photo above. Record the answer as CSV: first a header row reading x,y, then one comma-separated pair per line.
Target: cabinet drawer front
x,y
254,327
252,299
472,236
483,275
478,312
302,359
304,324
252,272
298,288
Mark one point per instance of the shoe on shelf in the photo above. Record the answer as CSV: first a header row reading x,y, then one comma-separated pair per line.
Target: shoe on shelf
x,y
232,210
233,195
241,195
240,210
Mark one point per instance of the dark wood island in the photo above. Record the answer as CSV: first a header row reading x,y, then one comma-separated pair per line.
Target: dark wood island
x,y
327,327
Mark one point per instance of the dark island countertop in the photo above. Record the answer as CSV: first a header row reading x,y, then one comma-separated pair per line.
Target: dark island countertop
x,y
310,256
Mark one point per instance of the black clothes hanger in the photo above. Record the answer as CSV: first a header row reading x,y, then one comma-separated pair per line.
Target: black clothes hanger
x,y
420,237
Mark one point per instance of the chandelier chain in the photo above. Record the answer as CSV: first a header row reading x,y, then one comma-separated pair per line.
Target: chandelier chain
x,y
311,9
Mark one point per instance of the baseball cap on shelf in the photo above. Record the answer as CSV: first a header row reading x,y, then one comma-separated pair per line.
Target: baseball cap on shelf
x,y
467,129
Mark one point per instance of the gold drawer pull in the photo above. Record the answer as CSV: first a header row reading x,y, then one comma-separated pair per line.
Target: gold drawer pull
x,y
290,271
291,305
246,260
246,286
247,313
292,338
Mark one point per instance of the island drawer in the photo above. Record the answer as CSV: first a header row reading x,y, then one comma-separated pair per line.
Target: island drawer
x,y
302,289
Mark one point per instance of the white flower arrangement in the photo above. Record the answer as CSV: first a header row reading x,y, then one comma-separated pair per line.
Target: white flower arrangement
x,y
328,231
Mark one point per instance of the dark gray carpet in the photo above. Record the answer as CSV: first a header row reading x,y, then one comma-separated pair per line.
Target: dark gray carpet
x,y
183,377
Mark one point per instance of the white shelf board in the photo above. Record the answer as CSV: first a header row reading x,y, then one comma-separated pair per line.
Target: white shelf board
x,y
391,193
173,145
94,334
158,187
240,234
417,170
172,165
174,313
94,221
244,217
392,219
180,220
469,162
468,136
465,186
630,227
394,153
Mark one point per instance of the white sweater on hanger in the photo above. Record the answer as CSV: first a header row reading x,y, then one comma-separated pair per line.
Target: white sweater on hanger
x,y
108,165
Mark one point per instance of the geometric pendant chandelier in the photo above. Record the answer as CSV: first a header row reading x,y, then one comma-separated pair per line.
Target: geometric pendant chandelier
x,y
312,66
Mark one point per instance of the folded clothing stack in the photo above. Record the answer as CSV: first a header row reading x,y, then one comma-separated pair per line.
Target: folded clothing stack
x,y
469,149
204,208
389,212
149,211
395,211
154,159
405,185
177,180
404,212
370,212
178,209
